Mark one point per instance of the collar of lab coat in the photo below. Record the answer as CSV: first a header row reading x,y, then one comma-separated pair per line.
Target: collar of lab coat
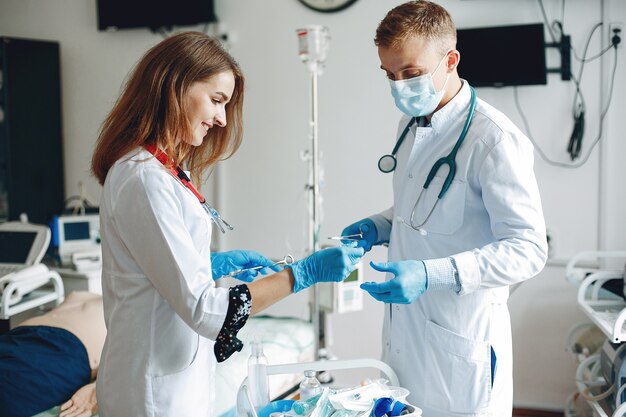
x,y
455,109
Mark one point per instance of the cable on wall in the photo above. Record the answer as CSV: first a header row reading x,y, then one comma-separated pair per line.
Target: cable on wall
x,y
578,106
595,142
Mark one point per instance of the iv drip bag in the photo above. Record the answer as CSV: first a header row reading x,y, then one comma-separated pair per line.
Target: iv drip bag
x,y
313,43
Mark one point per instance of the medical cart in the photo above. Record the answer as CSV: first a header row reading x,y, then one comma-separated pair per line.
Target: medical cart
x,y
244,399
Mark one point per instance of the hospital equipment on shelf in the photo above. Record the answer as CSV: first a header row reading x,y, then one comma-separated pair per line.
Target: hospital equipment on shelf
x,y
76,240
77,251
243,394
601,378
287,260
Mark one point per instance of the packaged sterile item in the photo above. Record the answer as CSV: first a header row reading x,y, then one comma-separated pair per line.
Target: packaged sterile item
x,y
305,407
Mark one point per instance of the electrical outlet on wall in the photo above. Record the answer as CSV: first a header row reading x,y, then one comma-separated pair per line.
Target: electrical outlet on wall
x,y
616,29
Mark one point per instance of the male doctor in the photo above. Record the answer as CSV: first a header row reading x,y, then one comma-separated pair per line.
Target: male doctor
x,y
451,259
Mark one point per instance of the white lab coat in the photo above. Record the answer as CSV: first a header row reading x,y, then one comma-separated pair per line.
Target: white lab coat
x,y
491,223
162,309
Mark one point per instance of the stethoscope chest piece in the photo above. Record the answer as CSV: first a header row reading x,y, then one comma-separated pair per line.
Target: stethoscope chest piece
x,y
387,163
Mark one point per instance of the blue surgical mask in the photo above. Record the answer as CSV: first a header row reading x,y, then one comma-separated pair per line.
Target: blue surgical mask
x,y
417,96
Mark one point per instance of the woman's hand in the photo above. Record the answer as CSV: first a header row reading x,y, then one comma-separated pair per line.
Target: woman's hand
x,y
82,404
223,263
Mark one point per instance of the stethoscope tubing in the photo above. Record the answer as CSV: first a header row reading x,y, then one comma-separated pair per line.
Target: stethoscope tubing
x,y
449,160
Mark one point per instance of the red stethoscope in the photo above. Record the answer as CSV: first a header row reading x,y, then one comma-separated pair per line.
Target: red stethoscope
x,y
178,173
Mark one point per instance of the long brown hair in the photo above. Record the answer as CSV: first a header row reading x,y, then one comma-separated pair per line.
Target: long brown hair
x,y
417,18
151,108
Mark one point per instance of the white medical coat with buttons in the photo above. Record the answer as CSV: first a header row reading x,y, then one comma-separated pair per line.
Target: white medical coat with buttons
x,y
491,223
161,306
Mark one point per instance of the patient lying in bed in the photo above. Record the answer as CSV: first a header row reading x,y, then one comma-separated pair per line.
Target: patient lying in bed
x,y
53,359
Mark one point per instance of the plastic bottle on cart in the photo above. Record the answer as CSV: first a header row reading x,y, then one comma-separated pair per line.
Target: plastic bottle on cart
x,y
310,386
257,376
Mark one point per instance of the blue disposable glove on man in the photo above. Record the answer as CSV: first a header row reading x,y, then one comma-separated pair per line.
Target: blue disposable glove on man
x,y
370,234
409,282
223,263
328,265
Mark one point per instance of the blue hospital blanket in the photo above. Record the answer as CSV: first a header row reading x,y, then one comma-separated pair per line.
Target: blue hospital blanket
x,y
40,367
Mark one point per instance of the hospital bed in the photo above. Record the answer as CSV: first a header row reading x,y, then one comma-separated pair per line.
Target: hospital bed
x,y
284,340
601,294
30,288
25,283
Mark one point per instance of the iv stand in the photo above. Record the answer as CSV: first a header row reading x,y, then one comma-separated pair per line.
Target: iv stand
x,y
313,46
317,316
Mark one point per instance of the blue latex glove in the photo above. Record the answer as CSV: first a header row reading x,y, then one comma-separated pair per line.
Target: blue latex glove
x,y
223,263
328,265
370,234
409,282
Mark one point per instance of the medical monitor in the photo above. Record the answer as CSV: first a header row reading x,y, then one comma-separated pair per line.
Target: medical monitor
x,y
15,246
502,55
76,231
153,14
23,243
75,234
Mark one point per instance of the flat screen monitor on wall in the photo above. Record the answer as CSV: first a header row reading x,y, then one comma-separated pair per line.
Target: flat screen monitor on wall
x,y
153,14
502,56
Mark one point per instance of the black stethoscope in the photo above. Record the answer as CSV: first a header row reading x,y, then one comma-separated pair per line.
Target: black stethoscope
x,y
387,163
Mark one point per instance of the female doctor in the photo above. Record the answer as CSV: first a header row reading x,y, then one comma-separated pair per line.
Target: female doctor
x,y
167,322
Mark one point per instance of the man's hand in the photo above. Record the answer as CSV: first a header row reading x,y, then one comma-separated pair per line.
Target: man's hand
x,y
408,283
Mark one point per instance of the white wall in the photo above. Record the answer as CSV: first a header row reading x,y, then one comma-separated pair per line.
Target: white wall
x,y
261,189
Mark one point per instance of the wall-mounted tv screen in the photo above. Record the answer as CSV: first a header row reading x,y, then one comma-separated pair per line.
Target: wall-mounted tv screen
x,y
503,55
153,14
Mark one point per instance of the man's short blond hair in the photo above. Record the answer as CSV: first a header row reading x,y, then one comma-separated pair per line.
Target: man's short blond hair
x,y
420,18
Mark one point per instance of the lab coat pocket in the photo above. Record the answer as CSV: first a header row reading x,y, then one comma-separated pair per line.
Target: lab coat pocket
x,y
180,393
174,352
447,216
460,371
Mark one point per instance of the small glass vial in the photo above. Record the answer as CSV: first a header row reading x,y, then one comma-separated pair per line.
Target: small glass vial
x,y
310,386
257,376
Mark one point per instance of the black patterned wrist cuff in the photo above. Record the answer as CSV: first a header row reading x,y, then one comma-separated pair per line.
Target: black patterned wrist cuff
x,y
239,307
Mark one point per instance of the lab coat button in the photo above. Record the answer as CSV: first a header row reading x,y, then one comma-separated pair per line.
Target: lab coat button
x,y
410,175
